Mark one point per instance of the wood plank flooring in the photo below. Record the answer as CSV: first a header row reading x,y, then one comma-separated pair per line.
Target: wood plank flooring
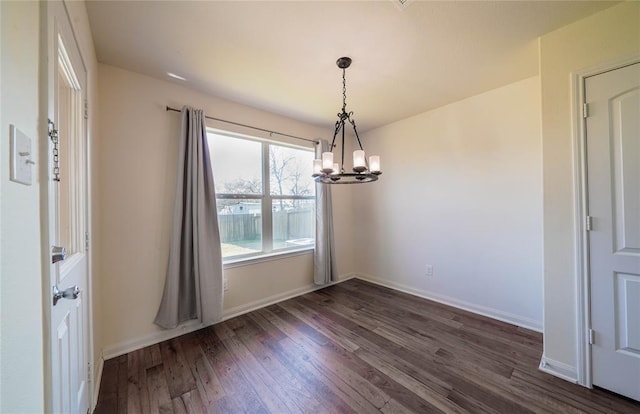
x,y
349,348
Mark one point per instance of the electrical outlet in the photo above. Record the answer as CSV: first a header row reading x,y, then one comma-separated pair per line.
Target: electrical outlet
x,y
428,270
225,283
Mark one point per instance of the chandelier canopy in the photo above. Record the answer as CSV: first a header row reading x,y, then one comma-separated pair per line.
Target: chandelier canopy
x,y
325,170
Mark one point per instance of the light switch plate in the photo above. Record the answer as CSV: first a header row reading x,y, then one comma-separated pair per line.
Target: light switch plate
x,y
20,156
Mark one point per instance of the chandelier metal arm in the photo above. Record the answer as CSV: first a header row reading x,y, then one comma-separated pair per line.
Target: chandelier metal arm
x,y
335,134
342,163
355,130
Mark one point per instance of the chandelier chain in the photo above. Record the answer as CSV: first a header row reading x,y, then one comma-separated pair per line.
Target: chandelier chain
x,y
344,91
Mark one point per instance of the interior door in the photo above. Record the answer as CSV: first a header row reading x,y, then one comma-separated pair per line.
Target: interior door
x,y
613,169
67,217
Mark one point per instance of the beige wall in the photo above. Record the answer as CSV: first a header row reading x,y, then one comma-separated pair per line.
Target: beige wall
x,y
137,161
608,36
462,191
21,324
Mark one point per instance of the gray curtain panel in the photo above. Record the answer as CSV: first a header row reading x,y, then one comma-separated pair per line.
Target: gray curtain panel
x,y
324,258
193,286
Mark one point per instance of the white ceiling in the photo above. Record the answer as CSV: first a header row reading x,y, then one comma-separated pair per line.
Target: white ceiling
x,y
280,56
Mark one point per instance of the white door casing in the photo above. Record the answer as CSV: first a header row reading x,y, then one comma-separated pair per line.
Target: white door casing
x,y
613,203
68,389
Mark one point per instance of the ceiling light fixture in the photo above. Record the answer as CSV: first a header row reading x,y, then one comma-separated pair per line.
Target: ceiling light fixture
x,y
174,76
325,170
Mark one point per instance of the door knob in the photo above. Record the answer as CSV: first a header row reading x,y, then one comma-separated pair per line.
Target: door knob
x,y
58,254
70,293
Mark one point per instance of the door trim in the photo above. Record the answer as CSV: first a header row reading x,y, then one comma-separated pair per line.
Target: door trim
x,y
580,208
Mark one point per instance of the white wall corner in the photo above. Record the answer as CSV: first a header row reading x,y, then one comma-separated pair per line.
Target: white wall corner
x,y
456,303
122,348
559,369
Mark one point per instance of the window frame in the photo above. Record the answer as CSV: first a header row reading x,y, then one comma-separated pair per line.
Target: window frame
x,y
266,206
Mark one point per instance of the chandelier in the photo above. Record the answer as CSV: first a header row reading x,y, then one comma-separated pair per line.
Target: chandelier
x,y
325,170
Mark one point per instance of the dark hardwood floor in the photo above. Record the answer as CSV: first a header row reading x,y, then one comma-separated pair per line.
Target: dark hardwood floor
x,y
353,347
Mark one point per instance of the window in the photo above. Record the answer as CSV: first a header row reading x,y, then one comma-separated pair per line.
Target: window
x,y
264,193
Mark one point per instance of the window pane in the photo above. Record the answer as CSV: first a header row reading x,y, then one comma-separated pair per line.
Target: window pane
x,y
290,171
293,223
237,164
70,207
240,223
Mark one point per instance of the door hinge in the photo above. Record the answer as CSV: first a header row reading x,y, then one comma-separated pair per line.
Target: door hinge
x,y
86,109
589,223
89,372
86,241
592,337
585,110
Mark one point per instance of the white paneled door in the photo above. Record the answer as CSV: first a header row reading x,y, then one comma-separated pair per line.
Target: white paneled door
x,y
613,176
66,195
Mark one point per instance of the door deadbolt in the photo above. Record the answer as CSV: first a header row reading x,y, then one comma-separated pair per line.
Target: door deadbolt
x,y
58,254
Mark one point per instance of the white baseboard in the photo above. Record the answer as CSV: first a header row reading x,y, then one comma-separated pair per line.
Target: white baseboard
x,y
125,347
251,306
97,380
559,369
552,367
122,348
456,303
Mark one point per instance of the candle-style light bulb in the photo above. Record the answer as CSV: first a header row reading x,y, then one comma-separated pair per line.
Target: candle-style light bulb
x,y
374,163
327,162
335,175
317,167
359,164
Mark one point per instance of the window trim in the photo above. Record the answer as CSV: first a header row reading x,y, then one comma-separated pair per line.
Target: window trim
x,y
235,261
267,252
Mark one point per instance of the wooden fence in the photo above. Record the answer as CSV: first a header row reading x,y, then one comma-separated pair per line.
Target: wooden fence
x,y
287,225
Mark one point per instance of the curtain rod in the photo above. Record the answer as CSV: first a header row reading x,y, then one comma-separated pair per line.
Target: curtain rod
x,y
249,126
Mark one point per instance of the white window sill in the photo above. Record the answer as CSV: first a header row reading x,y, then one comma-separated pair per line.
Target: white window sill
x,y
267,257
